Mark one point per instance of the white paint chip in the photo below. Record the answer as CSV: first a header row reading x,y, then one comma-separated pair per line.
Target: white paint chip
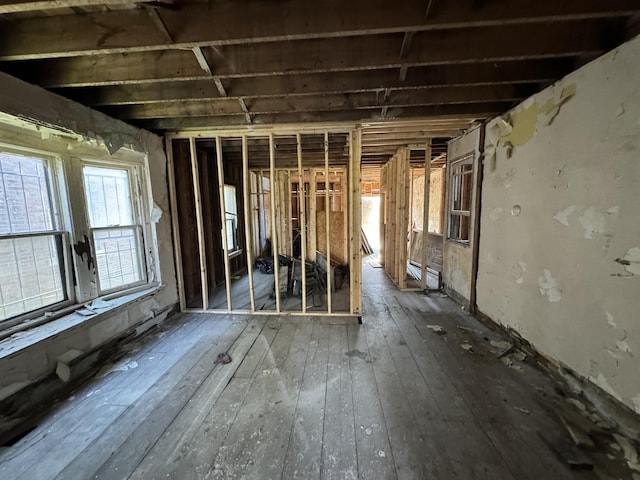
x,y
592,222
523,269
614,210
382,453
623,346
495,214
610,320
563,215
549,287
631,261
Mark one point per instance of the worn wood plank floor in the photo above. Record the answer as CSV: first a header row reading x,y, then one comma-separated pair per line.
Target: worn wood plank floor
x,y
396,398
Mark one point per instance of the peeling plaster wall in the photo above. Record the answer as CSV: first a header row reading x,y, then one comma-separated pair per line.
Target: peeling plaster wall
x,y
560,230
19,368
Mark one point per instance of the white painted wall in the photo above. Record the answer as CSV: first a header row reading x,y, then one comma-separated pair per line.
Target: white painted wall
x,y
560,205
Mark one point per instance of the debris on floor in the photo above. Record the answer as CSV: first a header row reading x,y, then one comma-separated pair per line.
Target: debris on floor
x,y
223,358
466,346
437,329
526,411
501,347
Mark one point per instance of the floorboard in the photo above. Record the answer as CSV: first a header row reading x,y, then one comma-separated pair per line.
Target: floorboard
x,y
417,392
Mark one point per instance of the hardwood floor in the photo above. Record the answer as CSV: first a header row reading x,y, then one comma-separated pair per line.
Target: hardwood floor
x,y
306,398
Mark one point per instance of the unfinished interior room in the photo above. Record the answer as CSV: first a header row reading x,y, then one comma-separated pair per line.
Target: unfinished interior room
x,y
319,240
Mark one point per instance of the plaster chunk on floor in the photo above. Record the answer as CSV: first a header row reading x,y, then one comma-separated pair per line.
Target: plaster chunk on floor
x,y
610,320
563,215
549,287
592,222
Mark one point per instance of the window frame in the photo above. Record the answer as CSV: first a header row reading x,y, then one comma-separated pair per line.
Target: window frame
x,y
139,221
455,169
64,154
65,261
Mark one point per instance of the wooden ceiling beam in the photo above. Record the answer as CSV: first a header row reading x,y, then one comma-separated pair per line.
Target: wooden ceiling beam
x,y
494,73
255,22
326,102
478,111
20,6
326,55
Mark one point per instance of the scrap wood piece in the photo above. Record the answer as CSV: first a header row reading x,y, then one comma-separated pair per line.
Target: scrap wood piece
x,y
566,451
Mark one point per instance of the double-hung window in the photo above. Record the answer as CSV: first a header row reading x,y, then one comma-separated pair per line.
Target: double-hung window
x,y
116,232
32,259
461,192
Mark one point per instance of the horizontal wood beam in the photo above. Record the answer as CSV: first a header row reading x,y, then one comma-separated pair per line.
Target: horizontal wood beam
x,y
224,23
19,6
479,111
335,54
494,73
326,102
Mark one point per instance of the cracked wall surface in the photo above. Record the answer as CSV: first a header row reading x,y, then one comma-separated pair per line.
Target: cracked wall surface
x,y
565,271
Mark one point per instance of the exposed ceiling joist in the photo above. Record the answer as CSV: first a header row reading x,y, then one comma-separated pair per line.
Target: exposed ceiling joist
x,y
19,6
256,22
326,55
494,73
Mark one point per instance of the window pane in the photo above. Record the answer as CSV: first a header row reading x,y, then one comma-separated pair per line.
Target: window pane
x,y
25,203
31,274
230,199
108,196
117,254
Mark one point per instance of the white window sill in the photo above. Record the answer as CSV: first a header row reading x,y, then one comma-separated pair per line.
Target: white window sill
x,y
29,334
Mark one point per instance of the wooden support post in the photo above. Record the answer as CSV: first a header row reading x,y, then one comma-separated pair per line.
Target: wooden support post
x,y
303,224
262,235
223,217
313,216
274,236
289,211
355,213
402,224
327,211
248,230
425,216
204,279
177,247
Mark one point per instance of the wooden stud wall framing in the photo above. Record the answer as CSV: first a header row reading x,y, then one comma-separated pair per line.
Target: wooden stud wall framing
x,y
327,216
302,223
204,278
355,220
396,177
223,220
281,206
248,220
274,237
177,249
425,217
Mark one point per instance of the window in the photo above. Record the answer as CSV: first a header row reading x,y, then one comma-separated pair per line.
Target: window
x,y
461,181
32,273
231,217
116,237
